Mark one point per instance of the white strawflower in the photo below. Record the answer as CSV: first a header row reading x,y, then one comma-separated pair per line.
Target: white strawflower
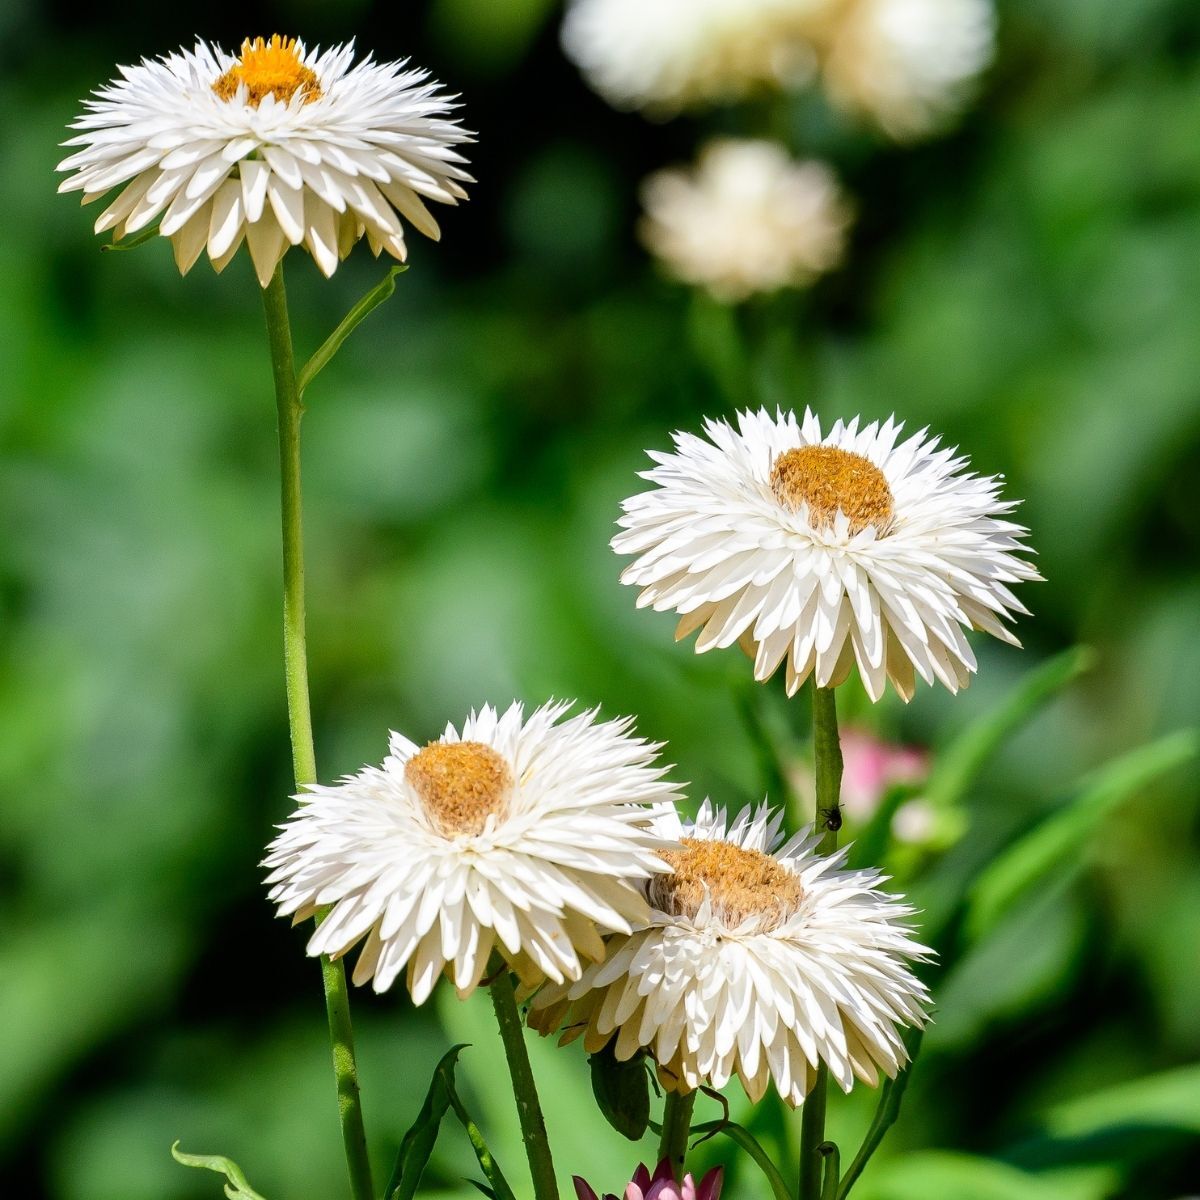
x,y
281,146
758,960
908,64
827,551
663,55
524,835
748,218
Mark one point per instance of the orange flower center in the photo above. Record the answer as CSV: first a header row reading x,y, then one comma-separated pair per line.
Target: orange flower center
x,y
269,68
460,784
829,480
739,883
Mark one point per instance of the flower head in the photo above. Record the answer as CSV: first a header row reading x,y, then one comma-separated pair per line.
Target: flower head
x,y
278,146
672,54
828,551
907,64
529,836
746,219
662,1185
758,960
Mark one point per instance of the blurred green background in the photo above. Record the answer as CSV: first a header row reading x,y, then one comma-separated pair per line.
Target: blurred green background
x,y
1029,285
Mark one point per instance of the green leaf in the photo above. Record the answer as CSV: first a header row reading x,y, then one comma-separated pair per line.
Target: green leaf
x,y
139,239
1170,1099
955,768
417,1144
499,1189
1057,842
622,1091
236,1187
743,1138
333,343
936,1173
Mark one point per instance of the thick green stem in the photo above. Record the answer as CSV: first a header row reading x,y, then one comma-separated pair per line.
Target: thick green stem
x,y
676,1125
304,762
827,757
529,1108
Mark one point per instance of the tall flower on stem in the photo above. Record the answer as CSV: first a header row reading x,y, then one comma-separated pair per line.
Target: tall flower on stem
x,y
278,146
852,548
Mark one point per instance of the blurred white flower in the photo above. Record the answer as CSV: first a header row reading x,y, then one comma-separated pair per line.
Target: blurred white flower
x,y
908,64
852,548
758,960
279,147
663,55
523,835
870,766
915,822
748,218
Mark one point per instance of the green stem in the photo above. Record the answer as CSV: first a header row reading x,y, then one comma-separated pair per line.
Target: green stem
x,y
529,1109
304,762
827,758
676,1124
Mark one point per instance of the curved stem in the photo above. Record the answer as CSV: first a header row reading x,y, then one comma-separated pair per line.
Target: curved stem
x,y
676,1125
304,763
827,757
529,1108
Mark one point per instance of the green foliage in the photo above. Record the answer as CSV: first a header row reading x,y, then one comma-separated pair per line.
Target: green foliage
x,y
236,1187
622,1091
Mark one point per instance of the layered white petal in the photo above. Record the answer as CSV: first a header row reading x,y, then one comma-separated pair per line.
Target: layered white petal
x,y
562,861
714,543
711,999
376,138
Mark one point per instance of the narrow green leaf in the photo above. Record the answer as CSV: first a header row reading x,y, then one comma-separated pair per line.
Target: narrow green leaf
x,y
622,1091
131,243
956,767
1058,841
236,1187
491,1169
743,1138
333,343
417,1144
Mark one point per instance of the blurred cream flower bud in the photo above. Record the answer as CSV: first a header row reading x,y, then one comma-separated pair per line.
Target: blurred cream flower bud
x,y
664,55
747,218
907,64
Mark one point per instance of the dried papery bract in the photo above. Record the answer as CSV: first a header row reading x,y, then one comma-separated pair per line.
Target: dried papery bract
x,y
277,146
855,548
760,960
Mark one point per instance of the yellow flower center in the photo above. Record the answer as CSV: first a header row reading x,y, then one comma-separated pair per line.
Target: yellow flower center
x,y
269,68
827,479
740,883
460,784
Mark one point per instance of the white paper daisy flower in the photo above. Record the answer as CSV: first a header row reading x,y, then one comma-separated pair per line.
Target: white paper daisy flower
x,y
908,64
748,218
671,54
280,146
827,551
756,961
528,836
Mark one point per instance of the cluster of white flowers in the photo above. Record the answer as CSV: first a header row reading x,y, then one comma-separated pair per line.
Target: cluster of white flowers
x,y
905,64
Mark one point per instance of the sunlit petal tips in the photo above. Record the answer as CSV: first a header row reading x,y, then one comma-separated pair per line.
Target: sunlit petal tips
x,y
853,548
525,836
278,146
758,961
748,218
671,54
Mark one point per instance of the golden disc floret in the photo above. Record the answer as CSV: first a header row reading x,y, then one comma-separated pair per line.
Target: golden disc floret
x,y
269,68
460,784
828,480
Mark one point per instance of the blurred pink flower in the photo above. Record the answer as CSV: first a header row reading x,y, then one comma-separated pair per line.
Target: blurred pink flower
x,y
660,1186
871,766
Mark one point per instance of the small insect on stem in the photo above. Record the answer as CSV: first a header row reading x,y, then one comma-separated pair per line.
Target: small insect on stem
x,y
831,818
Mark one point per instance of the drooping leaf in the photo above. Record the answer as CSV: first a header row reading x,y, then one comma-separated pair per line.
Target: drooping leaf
x,y
1058,842
956,767
622,1091
418,1142
236,1187
746,1141
333,343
